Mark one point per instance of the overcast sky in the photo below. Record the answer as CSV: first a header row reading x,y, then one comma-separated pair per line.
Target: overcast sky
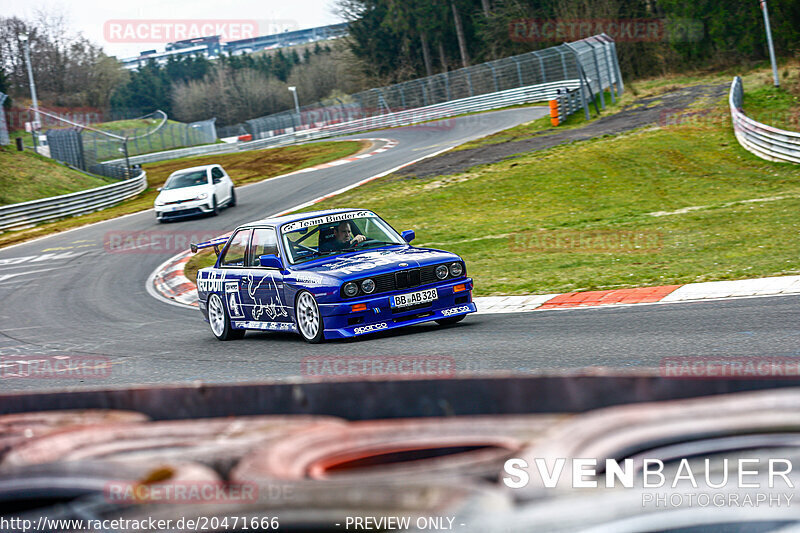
x,y
92,17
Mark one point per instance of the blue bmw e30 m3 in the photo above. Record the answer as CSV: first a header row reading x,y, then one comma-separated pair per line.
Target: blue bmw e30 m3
x,y
327,275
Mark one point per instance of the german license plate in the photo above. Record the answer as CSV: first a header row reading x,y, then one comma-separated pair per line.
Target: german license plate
x,y
414,298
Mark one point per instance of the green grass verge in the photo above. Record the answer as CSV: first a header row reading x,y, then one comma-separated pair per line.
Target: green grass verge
x,y
591,215
243,167
28,176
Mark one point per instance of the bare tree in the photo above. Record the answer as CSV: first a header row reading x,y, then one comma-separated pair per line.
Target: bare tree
x,y
462,42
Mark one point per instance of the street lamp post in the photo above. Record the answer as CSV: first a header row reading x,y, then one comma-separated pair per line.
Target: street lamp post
x,y
293,89
769,43
37,119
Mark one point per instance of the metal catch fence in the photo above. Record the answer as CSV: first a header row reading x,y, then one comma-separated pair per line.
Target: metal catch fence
x,y
592,62
107,153
766,142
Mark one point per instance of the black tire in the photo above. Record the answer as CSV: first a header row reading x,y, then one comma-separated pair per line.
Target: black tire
x,y
451,320
220,321
308,317
214,207
232,201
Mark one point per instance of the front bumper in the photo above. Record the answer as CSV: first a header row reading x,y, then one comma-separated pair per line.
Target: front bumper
x,y
182,210
341,322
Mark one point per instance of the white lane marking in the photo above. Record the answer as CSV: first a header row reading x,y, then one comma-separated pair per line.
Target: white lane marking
x,y
38,258
9,276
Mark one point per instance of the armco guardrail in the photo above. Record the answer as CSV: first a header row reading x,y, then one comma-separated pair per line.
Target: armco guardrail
x,y
766,142
77,203
485,102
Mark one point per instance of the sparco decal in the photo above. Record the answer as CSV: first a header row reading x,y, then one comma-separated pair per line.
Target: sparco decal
x,y
456,310
371,327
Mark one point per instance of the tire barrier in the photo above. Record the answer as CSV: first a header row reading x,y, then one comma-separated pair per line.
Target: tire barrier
x,y
19,428
64,481
431,449
313,472
216,443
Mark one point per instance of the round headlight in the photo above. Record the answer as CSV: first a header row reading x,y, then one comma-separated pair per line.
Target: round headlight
x,y
441,271
456,269
350,289
368,286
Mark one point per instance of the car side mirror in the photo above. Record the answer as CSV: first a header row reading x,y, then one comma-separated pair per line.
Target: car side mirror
x,y
217,180
408,235
270,261
160,189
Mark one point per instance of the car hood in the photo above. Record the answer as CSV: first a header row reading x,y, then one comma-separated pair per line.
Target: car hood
x,y
184,193
354,265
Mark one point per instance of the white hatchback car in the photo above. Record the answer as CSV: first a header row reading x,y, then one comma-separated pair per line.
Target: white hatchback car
x,y
195,191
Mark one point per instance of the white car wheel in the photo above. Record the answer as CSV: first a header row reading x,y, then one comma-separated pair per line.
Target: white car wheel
x,y
309,320
219,321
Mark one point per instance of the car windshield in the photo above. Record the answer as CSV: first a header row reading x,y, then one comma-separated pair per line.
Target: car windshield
x,y
336,234
186,179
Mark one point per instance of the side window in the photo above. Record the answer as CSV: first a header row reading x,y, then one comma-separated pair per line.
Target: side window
x,y
264,242
234,255
216,173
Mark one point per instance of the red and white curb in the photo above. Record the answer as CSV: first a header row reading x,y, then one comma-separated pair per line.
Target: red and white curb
x,y
168,283
174,287
692,292
388,145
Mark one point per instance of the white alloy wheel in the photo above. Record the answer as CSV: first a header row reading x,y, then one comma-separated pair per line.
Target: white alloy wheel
x,y
216,315
220,322
309,321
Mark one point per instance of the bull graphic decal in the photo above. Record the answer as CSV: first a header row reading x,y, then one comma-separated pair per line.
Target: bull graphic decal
x,y
274,307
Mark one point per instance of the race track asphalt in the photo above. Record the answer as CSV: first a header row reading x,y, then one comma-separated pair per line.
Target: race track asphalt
x,y
85,302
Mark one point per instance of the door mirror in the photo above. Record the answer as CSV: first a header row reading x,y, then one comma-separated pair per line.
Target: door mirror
x,y
217,180
160,189
270,261
408,235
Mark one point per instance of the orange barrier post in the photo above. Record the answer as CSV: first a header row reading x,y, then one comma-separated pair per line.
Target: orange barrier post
x,y
554,112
